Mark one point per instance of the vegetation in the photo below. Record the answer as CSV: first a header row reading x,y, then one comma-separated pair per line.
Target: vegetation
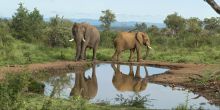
x,y
206,78
107,18
27,38
135,100
17,95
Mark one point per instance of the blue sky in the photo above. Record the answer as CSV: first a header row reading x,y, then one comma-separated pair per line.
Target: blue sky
x,y
125,10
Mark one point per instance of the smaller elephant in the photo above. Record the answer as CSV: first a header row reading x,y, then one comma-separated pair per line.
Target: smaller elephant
x,y
85,36
130,41
85,87
130,82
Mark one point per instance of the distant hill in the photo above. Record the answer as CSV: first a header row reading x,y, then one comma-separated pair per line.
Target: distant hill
x,y
117,23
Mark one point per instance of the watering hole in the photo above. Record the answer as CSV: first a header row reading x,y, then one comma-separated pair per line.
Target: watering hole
x,y
109,82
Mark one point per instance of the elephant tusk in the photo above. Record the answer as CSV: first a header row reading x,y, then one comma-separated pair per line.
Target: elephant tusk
x,y
149,47
71,40
84,40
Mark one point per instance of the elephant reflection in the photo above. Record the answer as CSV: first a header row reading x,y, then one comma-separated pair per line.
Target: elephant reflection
x,y
85,87
130,82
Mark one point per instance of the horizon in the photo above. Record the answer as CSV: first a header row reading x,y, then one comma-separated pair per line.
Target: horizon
x,y
133,11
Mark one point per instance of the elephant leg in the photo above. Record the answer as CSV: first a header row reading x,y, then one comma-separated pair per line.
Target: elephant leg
x,y
137,75
118,55
94,50
94,54
78,51
131,55
139,59
85,53
83,50
131,72
114,56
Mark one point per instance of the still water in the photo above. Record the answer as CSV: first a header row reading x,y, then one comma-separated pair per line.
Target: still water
x,y
103,82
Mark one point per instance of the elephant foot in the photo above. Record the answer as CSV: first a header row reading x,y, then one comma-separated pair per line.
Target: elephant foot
x,y
113,59
94,60
82,60
130,60
140,60
76,60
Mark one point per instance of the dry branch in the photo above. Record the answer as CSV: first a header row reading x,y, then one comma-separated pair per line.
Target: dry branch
x,y
214,5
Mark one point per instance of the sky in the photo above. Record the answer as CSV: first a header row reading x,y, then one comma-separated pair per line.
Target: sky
x,y
126,10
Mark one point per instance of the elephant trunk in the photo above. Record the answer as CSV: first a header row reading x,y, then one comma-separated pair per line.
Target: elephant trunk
x,y
147,51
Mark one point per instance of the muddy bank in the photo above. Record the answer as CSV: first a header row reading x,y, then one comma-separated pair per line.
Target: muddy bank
x,y
34,68
180,74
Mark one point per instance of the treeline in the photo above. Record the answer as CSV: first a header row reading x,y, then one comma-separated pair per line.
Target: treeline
x,y
30,27
179,32
191,32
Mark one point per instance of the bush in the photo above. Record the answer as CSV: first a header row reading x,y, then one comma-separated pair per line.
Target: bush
x,y
11,91
107,38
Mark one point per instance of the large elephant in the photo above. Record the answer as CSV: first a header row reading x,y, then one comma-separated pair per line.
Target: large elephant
x,y
85,87
132,41
85,36
129,82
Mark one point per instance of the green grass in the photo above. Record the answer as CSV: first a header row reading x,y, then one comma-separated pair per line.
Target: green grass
x,y
207,77
25,53
37,102
206,55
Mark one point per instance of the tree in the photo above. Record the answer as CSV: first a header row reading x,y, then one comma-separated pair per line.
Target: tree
x,y
214,5
107,18
194,25
175,22
212,24
59,32
141,27
154,30
36,26
19,24
5,37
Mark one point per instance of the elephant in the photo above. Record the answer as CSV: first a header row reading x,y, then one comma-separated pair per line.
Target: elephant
x,y
132,41
85,87
130,82
85,36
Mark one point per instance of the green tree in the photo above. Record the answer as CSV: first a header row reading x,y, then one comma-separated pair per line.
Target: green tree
x,y
194,25
141,26
175,22
212,24
153,29
107,18
59,32
5,37
36,26
20,23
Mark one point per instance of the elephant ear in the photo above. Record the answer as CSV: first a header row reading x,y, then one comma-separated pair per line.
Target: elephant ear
x,y
139,37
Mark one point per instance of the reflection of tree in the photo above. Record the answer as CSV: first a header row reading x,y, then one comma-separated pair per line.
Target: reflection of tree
x,y
59,83
85,87
130,82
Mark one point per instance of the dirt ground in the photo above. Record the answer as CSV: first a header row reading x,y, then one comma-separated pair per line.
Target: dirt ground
x,y
180,74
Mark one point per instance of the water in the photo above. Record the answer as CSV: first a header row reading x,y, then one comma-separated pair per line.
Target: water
x,y
103,82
